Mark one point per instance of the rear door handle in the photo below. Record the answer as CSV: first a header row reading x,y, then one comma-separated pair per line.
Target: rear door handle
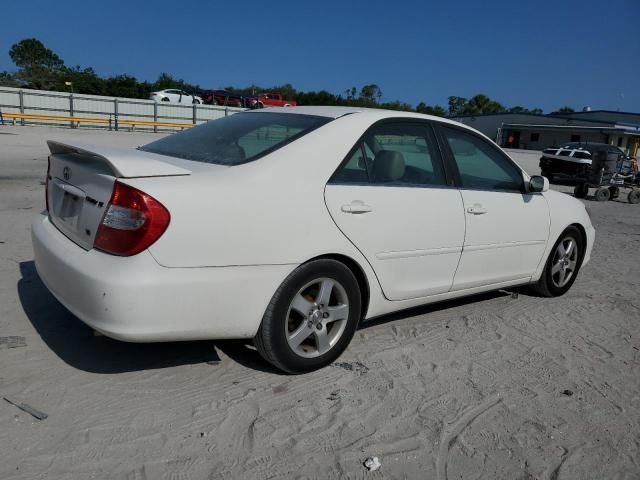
x,y
357,206
477,209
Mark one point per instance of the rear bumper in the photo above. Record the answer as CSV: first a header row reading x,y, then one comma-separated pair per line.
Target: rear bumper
x,y
135,299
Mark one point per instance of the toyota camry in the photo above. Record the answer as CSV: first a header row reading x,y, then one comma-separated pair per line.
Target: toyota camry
x,y
290,226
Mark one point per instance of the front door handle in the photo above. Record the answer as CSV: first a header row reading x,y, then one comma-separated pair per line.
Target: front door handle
x,y
357,206
477,209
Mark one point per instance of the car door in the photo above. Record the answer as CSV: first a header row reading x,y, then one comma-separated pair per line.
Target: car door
x,y
394,201
506,227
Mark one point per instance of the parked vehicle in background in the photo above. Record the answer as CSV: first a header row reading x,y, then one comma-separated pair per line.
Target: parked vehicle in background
x,y
175,96
223,97
268,100
572,161
290,225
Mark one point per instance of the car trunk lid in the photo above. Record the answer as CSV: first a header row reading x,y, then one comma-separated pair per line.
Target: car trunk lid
x,y
81,179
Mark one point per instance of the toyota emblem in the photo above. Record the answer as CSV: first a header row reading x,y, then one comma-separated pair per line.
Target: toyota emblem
x,y
66,173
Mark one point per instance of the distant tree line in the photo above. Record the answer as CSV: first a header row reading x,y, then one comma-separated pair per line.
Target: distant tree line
x,y
40,68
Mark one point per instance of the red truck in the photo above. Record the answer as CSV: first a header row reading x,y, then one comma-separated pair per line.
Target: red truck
x,y
268,100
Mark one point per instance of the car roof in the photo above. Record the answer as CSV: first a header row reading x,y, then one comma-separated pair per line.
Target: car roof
x,y
588,145
337,112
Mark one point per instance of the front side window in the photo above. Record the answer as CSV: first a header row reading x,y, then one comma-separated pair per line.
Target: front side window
x,y
236,139
394,154
480,165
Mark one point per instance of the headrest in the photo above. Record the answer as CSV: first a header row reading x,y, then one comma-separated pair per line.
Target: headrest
x,y
388,166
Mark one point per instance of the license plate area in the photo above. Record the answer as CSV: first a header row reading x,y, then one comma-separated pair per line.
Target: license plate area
x,y
67,206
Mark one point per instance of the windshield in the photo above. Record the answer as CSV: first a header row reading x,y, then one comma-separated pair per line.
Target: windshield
x,y
238,138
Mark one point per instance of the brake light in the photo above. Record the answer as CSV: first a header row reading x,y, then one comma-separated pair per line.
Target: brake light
x,y
46,184
132,222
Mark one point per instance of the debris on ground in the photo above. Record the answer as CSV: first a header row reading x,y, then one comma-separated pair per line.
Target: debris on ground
x,y
357,367
280,388
514,295
568,393
333,396
372,464
13,341
27,408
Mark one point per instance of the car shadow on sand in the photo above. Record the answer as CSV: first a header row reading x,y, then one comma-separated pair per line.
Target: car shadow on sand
x,y
77,345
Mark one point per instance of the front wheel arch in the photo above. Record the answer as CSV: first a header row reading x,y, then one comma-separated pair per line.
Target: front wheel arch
x,y
583,234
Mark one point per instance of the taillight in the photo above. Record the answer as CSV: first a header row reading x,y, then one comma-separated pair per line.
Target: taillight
x,y
46,184
132,222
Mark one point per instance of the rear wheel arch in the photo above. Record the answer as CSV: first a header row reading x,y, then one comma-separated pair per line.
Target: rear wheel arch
x,y
358,272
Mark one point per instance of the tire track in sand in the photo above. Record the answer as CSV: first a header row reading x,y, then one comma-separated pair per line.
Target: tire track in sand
x,y
449,438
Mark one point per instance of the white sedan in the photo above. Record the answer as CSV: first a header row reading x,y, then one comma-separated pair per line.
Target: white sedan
x,y
290,226
175,96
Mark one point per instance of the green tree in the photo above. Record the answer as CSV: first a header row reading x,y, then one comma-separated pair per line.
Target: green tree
x,y
371,93
435,110
481,104
124,86
457,106
39,67
396,105
519,109
84,80
8,79
565,109
31,53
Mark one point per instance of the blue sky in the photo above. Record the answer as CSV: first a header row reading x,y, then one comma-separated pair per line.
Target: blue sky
x,y
533,53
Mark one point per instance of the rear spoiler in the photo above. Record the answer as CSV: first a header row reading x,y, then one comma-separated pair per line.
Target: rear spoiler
x,y
124,162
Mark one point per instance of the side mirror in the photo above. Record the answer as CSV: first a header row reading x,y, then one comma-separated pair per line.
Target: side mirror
x,y
538,183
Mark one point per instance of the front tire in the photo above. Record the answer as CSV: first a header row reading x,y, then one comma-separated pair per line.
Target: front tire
x,y
634,196
311,317
562,266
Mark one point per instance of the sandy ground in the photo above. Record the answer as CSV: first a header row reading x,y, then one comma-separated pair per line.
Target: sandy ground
x,y
490,387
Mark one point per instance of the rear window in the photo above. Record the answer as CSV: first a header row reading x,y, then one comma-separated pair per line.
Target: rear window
x,y
236,139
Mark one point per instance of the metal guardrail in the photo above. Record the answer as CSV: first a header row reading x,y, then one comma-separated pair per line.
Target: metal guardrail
x,y
78,120
70,107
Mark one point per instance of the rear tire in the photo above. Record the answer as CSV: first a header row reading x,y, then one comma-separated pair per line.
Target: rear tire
x,y
165,99
581,190
562,266
311,318
602,194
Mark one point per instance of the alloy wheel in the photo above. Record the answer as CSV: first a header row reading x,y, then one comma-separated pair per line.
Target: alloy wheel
x,y
565,262
317,317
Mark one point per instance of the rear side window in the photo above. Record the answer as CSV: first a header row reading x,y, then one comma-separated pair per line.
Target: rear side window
x,y
237,139
480,165
394,154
